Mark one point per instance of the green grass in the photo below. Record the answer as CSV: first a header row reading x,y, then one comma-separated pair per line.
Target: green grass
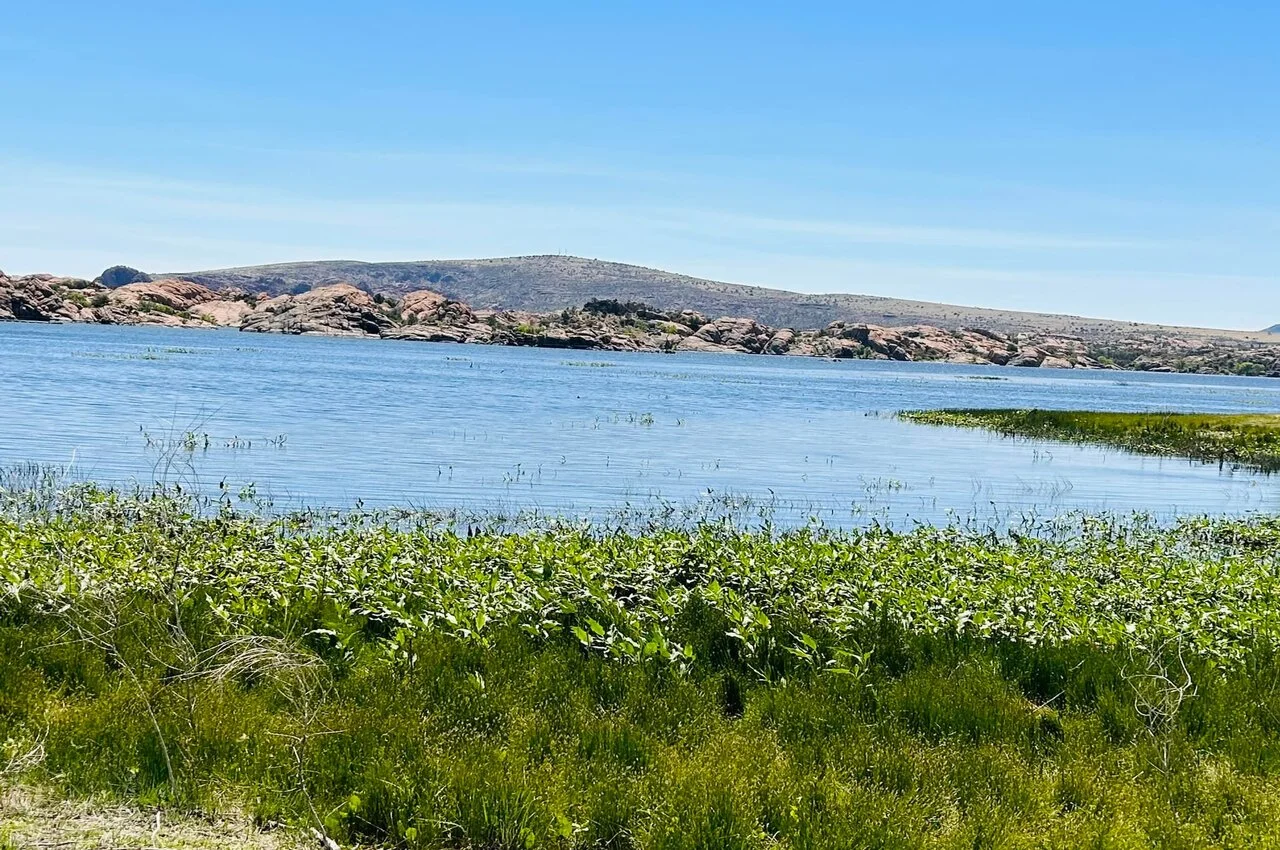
x,y
1107,684
146,305
1247,439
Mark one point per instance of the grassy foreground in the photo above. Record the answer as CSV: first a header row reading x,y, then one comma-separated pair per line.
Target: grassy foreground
x,y
1248,439
393,683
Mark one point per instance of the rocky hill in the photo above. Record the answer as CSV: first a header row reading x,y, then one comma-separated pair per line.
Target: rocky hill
x,y
175,303
342,309
548,283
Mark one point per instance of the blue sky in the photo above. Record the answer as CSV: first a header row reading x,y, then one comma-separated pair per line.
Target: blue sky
x,y
1116,159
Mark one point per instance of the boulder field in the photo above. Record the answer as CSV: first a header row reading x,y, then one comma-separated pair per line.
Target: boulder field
x,y
340,309
175,303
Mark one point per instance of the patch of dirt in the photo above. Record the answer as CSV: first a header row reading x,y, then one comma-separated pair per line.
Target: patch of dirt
x,y
33,820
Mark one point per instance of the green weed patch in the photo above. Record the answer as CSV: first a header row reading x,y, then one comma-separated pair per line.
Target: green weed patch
x,y
395,683
1251,440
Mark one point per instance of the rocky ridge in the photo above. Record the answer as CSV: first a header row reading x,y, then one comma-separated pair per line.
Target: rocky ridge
x,y
341,309
551,283
177,303
338,310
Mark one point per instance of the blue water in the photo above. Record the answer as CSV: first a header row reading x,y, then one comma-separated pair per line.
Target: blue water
x,y
584,433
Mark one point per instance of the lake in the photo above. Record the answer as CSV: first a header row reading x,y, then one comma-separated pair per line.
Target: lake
x,y
328,422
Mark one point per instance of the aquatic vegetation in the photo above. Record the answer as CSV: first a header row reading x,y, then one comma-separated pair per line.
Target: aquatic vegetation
x,y
149,353
645,419
1251,440
191,441
410,682
1100,583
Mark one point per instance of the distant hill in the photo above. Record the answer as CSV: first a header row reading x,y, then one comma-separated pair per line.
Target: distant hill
x,y
1274,329
545,283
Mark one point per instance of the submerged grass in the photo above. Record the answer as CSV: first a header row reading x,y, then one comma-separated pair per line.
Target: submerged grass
x,y
1111,684
1251,440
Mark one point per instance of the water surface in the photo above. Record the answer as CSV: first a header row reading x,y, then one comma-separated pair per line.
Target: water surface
x,y
584,433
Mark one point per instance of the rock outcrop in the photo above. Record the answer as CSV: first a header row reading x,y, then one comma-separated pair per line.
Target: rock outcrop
x,y
41,298
439,333
427,316
425,305
223,313
336,310
170,302
780,342
177,303
176,295
118,276
744,336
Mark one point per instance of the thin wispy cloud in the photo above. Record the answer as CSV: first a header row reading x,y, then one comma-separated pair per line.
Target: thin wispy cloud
x,y
471,161
1170,297
898,234
255,203
77,220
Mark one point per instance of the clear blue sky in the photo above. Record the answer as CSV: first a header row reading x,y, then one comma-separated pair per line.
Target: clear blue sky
x,y
1115,159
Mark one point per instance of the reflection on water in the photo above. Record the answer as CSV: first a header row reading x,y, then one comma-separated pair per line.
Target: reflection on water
x,y
322,421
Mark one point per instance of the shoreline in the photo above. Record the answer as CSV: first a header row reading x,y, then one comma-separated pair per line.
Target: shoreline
x,y
343,310
205,327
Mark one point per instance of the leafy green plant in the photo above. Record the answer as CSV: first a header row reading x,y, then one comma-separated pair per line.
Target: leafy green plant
x,y
391,681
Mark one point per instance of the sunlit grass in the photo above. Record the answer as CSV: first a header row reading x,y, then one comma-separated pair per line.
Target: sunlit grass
x,y
1108,684
1250,439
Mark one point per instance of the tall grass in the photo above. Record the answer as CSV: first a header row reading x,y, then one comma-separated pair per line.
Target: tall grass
x,y
1113,685
1251,440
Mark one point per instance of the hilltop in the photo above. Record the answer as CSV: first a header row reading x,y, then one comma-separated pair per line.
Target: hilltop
x,y
547,301
551,283
345,309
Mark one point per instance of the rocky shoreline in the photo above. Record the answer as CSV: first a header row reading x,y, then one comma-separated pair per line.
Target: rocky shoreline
x,y
341,309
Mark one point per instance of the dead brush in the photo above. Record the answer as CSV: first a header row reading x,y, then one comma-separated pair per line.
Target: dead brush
x,y
20,757
296,674
1161,683
143,637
